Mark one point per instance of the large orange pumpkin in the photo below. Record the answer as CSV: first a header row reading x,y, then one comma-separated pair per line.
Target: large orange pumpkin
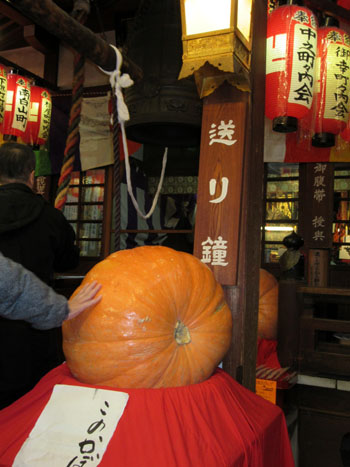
x,y
162,322
268,305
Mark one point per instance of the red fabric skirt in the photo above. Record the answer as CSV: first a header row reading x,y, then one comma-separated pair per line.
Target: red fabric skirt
x,y
267,353
216,423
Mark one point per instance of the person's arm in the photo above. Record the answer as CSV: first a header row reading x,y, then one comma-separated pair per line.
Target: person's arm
x,y
85,298
24,296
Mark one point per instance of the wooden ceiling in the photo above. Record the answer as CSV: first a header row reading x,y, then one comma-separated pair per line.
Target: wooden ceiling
x,y
17,30
104,16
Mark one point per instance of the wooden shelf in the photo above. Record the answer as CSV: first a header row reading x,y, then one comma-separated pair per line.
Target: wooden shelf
x,y
324,291
324,311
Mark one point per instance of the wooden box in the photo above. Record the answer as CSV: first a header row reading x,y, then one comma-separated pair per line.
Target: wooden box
x,y
324,419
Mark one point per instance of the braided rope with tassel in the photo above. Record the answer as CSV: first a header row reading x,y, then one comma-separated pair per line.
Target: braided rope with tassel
x,y
72,141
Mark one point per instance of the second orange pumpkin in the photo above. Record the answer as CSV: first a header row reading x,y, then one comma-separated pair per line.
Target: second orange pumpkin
x,y
268,305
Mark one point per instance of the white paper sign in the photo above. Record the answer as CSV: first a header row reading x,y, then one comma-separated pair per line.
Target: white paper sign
x,y
96,139
74,428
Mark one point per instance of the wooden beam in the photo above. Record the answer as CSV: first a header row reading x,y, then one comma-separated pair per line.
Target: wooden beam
x,y
49,16
252,199
12,13
240,361
39,81
329,7
6,24
40,39
51,67
11,36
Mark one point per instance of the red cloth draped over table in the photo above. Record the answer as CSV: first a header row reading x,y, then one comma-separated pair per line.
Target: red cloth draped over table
x,y
267,353
217,423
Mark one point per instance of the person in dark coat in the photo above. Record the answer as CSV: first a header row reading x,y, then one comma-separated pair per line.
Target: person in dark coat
x,y
38,236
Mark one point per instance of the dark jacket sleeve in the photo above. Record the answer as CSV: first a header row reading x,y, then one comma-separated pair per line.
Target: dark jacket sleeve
x,y
66,252
23,296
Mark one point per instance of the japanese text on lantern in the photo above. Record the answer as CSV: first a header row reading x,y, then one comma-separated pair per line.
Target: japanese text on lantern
x,y
45,118
22,106
319,195
3,89
337,82
304,58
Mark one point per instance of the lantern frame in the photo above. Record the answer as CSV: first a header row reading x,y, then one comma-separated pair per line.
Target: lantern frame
x,y
226,49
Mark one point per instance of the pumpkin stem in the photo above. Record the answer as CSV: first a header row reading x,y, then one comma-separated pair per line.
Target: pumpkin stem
x,y
182,334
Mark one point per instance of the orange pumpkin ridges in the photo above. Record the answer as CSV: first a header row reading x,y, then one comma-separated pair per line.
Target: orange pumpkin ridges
x,y
162,321
268,305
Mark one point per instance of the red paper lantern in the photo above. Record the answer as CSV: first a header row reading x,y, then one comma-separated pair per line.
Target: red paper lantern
x,y
290,65
344,3
17,106
333,84
38,125
3,90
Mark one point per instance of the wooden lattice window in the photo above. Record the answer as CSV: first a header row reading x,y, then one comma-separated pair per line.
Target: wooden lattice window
x,y
341,215
281,208
88,209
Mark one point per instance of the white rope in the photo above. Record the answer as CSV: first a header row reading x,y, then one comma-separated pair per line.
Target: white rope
x,y
128,179
119,81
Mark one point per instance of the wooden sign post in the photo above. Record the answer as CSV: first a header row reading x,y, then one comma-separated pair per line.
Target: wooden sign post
x,y
317,221
220,182
230,193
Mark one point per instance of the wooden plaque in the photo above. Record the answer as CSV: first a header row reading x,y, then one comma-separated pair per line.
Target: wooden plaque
x,y
318,206
220,183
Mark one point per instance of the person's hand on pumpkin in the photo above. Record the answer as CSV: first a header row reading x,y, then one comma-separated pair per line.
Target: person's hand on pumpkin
x,y
85,298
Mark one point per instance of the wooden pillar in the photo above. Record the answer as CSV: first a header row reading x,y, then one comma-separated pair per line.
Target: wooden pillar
x,y
317,219
288,323
230,201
